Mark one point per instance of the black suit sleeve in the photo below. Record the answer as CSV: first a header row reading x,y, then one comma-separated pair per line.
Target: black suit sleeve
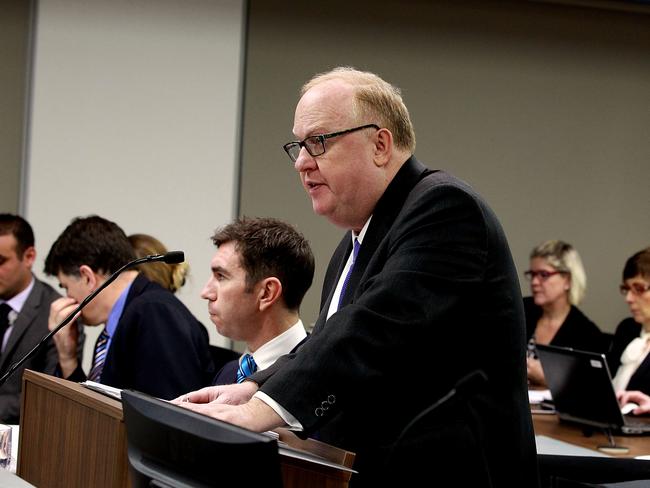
x,y
413,293
159,349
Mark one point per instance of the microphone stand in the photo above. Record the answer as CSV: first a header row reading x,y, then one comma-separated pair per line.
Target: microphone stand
x,y
170,257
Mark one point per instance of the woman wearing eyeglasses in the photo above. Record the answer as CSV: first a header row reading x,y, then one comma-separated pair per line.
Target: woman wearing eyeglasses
x,y
628,358
557,282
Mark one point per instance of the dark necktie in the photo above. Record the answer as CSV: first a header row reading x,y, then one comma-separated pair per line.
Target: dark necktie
x,y
355,253
246,368
99,357
4,320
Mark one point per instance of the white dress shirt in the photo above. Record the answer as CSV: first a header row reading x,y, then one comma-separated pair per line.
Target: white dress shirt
x,y
283,344
631,359
16,303
290,420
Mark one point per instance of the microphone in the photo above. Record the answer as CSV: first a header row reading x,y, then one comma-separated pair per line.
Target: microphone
x,y
172,257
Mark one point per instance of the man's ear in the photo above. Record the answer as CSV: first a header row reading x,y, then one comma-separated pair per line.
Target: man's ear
x,y
88,276
269,292
383,147
29,256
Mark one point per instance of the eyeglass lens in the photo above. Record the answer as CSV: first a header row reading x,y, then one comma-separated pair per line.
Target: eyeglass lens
x,y
543,274
635,288
313,144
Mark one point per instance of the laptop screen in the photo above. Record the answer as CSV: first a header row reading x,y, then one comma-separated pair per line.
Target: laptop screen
x,y
581,386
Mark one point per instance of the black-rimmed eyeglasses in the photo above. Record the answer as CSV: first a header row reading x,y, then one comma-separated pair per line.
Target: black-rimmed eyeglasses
x,y
315,145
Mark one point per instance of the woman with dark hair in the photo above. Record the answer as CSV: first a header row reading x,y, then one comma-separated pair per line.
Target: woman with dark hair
x,y
628,357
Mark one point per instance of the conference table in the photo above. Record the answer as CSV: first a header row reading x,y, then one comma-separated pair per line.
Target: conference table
x,y
71,436
580,437
568,451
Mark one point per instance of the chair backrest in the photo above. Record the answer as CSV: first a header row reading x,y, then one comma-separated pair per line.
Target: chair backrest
x,y
221,356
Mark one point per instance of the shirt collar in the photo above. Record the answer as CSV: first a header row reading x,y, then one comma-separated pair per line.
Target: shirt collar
x,y
268,353
359,237
18,301
116,311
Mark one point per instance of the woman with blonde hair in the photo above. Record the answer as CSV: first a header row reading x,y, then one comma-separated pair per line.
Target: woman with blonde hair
x,y
558,283
169,276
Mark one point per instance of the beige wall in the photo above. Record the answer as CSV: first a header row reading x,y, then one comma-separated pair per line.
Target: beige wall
x,y
135,117
542,108
14,55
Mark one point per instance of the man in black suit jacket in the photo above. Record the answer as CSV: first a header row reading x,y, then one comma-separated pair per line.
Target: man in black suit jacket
x,y
28,301
155,344
260,273
432,297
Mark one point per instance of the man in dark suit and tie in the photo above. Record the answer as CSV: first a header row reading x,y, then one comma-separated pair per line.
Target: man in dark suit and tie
x,y
260,273
24,309
421,292
150,341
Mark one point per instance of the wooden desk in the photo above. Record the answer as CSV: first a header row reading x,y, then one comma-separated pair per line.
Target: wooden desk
x,y
550,426
74,437
555,469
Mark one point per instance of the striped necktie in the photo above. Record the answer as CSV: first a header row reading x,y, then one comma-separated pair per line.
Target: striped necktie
x,y
99,357
247,367
355,253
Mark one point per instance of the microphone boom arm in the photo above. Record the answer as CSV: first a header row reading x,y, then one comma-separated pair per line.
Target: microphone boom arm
x,y
170,257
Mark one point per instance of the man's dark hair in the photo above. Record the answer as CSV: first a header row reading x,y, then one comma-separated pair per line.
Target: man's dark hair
x,y
93,241
20,229
270,247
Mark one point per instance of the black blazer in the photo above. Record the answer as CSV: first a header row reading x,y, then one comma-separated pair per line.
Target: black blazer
x,y
627,331
433,296
28,329
577,331
158,346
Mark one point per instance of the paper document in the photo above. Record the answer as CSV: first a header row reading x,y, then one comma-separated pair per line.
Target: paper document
x,y
539,396
548,445
103,389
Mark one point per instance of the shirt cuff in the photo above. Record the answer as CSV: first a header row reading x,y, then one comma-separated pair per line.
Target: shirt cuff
x,y
289,419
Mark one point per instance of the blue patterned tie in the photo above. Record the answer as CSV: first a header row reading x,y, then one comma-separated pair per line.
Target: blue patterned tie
x,y
99,357
247,367
355,253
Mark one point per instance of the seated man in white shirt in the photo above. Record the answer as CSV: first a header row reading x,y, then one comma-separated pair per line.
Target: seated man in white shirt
x,y
24,309
260,273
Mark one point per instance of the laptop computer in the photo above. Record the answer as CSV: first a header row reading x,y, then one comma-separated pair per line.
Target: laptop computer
x,y
582,390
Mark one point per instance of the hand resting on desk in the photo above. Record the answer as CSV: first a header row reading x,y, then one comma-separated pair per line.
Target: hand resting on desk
x,y
634,397
233,404
234,394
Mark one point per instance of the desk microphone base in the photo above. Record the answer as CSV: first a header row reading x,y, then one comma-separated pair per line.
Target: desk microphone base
x,y
612,447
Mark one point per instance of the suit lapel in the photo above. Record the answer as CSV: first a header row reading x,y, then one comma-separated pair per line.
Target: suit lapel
x,y
334,270
23,321
385,213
